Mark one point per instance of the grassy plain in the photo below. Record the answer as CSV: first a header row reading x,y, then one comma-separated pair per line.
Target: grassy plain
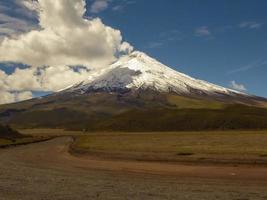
x,y
212,146
200,146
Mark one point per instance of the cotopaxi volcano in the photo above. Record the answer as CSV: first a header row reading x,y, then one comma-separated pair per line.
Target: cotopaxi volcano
x,y
140,72
138,93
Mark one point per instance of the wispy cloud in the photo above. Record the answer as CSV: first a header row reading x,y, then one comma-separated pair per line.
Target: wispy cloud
x,y
255,64
122,5
21,20
118,8
153,45
164,38
202,31
129,2
11,26
99,6
31,5
250,25
3,8
205,31
25,8
236,86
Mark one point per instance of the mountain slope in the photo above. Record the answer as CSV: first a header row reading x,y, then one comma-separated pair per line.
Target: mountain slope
x,y
8,133
137,93
139,71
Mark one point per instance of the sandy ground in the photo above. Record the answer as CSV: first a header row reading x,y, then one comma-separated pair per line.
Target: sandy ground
x,y
46,171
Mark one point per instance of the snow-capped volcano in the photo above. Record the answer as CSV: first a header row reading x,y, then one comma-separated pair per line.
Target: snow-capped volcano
x,y
139,71
138,93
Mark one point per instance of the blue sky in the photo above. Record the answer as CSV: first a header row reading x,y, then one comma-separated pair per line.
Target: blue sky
x,y
219,41
231,46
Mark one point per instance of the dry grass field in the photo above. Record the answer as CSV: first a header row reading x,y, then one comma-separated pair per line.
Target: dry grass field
x,y
218,146
206,146
155,165
202,146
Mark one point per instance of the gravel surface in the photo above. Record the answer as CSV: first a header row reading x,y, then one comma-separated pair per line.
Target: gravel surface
x,y
46,171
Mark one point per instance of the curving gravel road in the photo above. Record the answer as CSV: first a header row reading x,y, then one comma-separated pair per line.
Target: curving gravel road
x,y
46,171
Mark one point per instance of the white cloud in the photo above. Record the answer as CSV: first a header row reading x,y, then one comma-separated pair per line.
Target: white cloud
x,y
99,5
42,79
3,76
21,96
65,38
202,31
126,48
236,86
7,95
10,97
48,78
22,79
250,25
19,85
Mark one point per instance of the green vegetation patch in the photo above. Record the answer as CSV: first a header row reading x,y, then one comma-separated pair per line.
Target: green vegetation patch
x,y
22,141
186,102
8,133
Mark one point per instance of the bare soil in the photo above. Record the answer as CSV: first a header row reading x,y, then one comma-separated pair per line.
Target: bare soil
x,y
48,171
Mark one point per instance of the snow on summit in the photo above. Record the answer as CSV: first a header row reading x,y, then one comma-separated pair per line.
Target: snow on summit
x,y
139,71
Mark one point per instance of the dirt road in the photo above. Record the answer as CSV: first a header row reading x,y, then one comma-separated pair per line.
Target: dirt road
x,y
47,171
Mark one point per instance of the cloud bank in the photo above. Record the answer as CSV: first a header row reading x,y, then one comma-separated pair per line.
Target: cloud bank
x,y
65,38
